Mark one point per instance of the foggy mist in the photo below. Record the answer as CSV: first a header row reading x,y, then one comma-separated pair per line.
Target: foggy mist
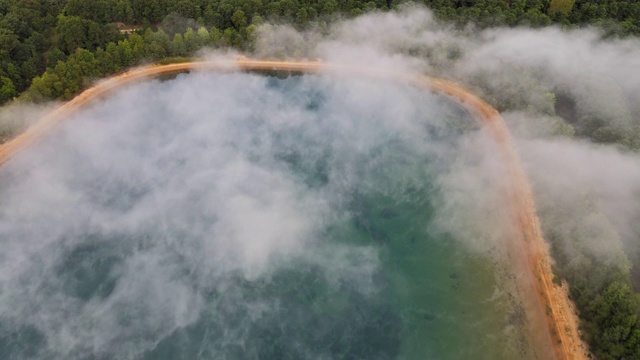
x,y
515,69
181,198
169,204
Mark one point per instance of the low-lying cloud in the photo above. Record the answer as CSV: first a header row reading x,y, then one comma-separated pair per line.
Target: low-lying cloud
x,y
122,228
529,74
174,196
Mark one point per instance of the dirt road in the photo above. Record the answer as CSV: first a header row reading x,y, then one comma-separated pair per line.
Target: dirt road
x,y
530,249
550,312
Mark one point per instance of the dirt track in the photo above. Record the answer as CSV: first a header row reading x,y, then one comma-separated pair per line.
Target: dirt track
x,y
553,303
549,310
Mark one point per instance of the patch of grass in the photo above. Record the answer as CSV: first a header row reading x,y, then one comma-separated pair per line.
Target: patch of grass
x,y
174,60
562,6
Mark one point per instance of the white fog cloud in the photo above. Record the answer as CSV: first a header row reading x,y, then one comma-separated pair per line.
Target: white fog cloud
x,y
207,200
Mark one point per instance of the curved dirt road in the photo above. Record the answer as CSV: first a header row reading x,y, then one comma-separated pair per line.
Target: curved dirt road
x,y
530,252
553,323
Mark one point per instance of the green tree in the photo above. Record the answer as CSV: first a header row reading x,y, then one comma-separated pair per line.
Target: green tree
x,y
178,47
615,313
7,89
239,20
216,37
111,59
54,56
137,46
203,35
191,41
175,23
209,15
125,52
72,33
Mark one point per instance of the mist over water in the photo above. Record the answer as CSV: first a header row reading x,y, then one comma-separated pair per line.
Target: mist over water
x,y
240,216
237,216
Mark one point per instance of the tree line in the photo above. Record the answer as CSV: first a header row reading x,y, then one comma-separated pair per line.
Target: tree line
x,y
35,35
601,287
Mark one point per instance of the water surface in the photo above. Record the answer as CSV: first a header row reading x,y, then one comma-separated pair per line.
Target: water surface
x,y
240,216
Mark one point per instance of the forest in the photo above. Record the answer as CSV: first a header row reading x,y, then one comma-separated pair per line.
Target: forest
x,y
52,49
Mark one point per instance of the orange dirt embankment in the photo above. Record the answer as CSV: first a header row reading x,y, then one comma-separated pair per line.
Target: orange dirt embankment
x,y
553,303
549,310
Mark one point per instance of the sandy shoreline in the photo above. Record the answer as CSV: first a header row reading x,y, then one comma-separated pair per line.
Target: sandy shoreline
x,y
548,305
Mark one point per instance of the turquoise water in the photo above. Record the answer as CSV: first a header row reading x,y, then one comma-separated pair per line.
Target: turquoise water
x,y
245,217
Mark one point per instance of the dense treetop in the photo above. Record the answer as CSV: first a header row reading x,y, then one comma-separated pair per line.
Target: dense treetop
x,y
36,34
